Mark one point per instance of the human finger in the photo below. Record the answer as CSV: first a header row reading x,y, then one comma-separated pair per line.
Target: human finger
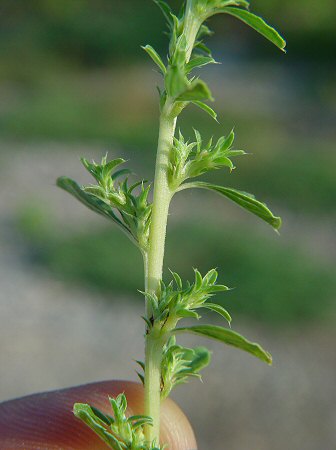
x,y
45,421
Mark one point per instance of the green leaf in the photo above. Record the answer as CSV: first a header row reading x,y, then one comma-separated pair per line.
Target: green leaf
x,y
141,377
166,11
199,61
228,141
141,364
207,109
85,413
148,419
199,358
92,202
219,310
228,337
180,363
177,280
201,46
155,57
242,3
231,153
104,170
258,24
101,416
204,31
243,199
175,81
198,280
141,423
120,173
197,90
187,313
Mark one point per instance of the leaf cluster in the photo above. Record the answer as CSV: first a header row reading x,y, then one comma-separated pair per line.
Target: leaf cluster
x,y
180,363
190,160
180,88
188,26
193,159
176,301
119,432
125,205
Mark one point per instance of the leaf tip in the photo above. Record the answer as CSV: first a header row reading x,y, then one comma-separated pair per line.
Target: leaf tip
x,y
59,181
277,223
269,359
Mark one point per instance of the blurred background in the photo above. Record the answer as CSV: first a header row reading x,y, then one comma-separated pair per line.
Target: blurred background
x,y
74,82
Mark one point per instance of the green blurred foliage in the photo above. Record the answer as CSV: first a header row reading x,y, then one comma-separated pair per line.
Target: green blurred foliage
x,y
99,32
83,32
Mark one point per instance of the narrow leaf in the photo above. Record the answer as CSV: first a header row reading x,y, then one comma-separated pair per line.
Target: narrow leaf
x,y
198,279
92,202
141,423
187,313
207,109
177,280
258,24
231,153
141,377
141,364
229,140
199,61
201,46
101,416
140,416
243,199
155,57
204,31
228,337
219,310
120,173
243,3
166,11
85,413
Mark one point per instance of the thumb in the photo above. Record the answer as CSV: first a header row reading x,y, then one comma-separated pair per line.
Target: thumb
x,y
46,420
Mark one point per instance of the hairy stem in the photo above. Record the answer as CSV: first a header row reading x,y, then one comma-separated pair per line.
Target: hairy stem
x,y
161,201
191,26
157,236
153,359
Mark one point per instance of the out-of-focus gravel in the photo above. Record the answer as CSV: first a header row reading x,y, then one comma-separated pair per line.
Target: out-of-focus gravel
x,y
53,335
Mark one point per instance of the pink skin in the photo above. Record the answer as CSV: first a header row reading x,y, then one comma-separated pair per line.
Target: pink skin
x,y
45,421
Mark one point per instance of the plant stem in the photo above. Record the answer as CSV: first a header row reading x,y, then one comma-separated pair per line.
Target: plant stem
x,y
161,201
162,197
154,347
192,24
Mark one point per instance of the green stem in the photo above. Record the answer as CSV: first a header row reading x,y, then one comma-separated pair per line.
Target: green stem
x,y
153,359
191,27
162,197
161,201
145,265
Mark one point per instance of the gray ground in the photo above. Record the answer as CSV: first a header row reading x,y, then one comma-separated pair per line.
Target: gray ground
x,y
53,336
